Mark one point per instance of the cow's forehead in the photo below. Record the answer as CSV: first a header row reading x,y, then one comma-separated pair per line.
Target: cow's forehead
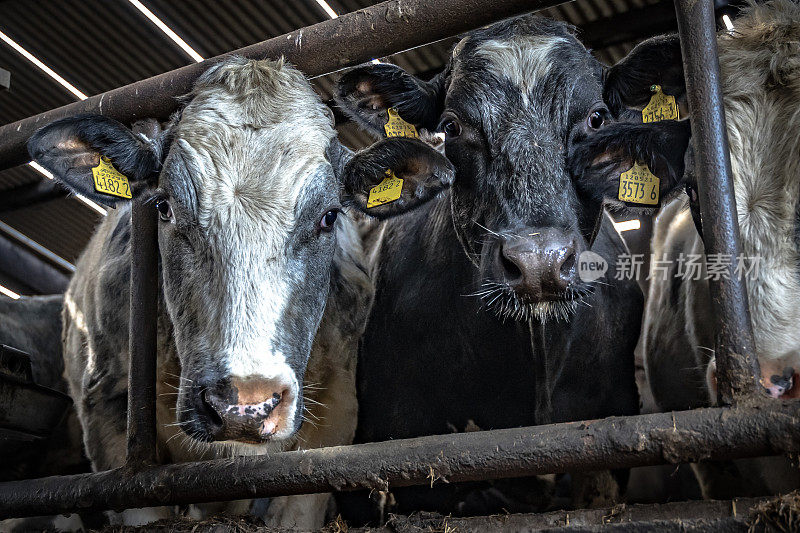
x,y
534,64
250,142
524,60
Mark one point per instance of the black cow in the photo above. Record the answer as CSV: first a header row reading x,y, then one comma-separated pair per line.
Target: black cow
x,y
759,75
481,317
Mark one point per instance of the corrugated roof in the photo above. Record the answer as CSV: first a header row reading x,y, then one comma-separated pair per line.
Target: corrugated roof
x,y
98,45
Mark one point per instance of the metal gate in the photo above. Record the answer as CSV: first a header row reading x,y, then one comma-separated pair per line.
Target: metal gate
x,y
747,424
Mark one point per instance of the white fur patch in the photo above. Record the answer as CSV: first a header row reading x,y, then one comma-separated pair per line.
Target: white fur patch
x,y
253,140
524,60
762,128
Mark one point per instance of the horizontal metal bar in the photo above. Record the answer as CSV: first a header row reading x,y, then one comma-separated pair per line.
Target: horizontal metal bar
x,y
36,247
31,194
357,37
618,442
29,269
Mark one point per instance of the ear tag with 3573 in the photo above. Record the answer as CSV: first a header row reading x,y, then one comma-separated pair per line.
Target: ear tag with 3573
x,y
638,185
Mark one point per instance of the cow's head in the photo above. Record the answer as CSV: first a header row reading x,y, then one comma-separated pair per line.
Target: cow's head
x,y
249,180
512,103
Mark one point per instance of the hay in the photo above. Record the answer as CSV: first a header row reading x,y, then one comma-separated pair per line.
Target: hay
x,y
778,514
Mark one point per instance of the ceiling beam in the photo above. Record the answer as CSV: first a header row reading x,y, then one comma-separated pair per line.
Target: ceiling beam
x,y
30,194
27,269
5,80
631,26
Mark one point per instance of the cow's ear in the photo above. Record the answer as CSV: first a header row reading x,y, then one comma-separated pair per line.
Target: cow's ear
x,y
656,61
395,175
367,93
597,163
97,157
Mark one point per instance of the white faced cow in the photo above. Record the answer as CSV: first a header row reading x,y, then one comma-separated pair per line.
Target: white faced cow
x,y
263,293
760,77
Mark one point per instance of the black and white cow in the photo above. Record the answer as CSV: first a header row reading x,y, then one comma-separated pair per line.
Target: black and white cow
x,y
264,292
33,324
760,78
480,316
759,74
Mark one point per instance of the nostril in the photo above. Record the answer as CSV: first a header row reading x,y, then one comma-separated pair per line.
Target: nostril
x,y
208,409
567,269
510,268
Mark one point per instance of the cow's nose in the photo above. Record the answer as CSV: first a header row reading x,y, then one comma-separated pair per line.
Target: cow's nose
x,y
251,409
539,263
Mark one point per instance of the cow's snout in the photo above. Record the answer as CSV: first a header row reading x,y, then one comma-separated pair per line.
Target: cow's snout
x,y
539,263
252,409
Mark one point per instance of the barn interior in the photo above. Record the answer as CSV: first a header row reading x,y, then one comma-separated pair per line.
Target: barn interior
x,y
92,46
55,52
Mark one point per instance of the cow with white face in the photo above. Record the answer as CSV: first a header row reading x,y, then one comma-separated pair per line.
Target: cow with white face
x,y
263,292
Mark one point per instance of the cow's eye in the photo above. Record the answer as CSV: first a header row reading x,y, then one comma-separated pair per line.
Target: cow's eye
x,y
596,120
691,192
164,210
328,220
451,128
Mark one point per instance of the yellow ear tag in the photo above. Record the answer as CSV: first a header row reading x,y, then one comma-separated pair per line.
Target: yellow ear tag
x,y
661,107
397,127
109,180
639,186
386,191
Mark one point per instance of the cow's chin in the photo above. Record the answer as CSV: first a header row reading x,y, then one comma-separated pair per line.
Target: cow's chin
x,y
507,305
239,434
554,310
203,443
235,447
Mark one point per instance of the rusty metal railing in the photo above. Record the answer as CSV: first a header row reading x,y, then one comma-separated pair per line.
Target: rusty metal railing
x,y
737,366
745,430
143,336
351,39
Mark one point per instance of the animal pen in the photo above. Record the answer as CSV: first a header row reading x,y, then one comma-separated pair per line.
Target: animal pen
x,y
746,424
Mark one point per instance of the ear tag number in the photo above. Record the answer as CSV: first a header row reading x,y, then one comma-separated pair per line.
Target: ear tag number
x,y
386,191
661,107
397,127
639,186
109,180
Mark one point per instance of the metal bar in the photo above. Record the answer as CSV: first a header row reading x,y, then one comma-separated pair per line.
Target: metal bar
x,y
357,37
31,194
62,263
616,442
737,366
27,268
143,335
